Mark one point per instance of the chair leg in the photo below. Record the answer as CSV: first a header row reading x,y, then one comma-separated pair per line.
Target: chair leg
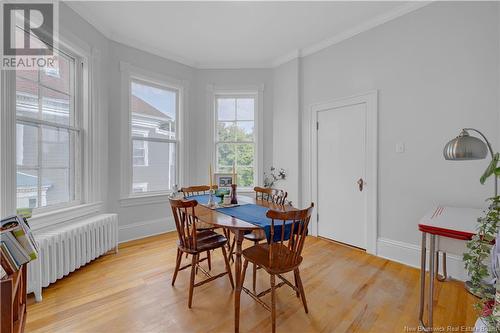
x,y
243,272
209,261
231,249
177,265
301,288
273,303
194,264
296,284
255,272
228,266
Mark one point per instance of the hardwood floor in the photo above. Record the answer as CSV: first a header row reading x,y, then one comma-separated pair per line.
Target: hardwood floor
x,y
346,289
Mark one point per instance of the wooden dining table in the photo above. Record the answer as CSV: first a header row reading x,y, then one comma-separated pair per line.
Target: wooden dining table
x,y
238,227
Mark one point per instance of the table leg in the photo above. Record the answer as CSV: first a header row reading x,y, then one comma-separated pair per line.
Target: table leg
x,y
432,276
422,280
439,277
237,272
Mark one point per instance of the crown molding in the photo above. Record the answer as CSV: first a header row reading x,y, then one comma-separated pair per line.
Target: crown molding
x,y
298,53
368,25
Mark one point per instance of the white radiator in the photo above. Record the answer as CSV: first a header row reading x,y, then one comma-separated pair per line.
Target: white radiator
x,y
66,247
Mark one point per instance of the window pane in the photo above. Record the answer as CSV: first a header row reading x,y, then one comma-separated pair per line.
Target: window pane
x,y
226,131
27,188
244,131
56,106
245,176
28,74
153,111
244,154
55,188
26,145
226,109
26,98
225,156
58,77
55,147
245,108
159,173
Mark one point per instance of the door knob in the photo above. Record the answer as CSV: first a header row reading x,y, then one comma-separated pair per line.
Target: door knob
x,y
360,182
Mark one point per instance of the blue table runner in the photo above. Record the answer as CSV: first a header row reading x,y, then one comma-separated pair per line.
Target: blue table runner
x,y
251,213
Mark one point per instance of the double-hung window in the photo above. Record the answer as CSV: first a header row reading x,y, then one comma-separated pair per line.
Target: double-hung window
x,y
235,136
48,134
154,111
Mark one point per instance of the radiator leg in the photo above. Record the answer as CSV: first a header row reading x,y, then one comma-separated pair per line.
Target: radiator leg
x,y
37,272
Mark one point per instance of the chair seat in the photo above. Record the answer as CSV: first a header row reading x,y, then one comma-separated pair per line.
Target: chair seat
x,y
283,261
256,236
206,240
204,226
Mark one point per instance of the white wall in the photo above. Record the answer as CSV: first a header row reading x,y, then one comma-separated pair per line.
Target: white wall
x,y
200,117
84,36
436,71
286,128
138,220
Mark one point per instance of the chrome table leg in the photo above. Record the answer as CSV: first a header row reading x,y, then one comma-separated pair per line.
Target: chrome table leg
x,y
422,280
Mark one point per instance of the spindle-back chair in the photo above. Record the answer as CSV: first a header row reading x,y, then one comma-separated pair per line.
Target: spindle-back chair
x,y
193,242
281,255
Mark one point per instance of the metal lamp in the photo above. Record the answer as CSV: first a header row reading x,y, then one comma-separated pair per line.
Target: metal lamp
x,y
465,147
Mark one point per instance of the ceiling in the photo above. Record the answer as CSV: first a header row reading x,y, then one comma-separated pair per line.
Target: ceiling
x,y
235,34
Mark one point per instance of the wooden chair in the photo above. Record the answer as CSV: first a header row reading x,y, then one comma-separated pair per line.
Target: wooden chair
x,y
194,242
200,190
197,190
267,194
280,256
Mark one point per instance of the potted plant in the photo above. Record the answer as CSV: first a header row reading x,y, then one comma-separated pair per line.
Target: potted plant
x,y
273,177
479,251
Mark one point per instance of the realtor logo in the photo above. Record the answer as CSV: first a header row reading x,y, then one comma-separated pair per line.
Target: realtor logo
x,y
28,32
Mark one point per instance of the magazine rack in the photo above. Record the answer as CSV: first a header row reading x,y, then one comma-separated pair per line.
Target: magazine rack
x,y
13,300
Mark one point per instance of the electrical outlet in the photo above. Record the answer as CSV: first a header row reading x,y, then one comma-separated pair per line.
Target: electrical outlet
x,y
400,147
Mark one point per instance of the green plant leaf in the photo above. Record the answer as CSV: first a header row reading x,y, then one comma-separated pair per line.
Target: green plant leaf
x,y
491,169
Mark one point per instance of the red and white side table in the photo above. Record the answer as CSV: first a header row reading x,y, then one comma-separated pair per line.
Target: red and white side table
x,y
448,222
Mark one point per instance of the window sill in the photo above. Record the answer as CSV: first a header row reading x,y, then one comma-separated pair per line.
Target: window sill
x,y
46,219
145,199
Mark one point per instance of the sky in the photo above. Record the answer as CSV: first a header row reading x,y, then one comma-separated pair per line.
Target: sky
x,y
162,99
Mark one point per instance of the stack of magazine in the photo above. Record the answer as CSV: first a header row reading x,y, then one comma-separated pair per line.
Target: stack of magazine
x,y
17,244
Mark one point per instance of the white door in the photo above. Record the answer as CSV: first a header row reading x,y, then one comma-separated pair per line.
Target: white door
x,y
341,163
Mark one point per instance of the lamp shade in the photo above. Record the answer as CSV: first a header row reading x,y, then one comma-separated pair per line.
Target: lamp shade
x,y
465,147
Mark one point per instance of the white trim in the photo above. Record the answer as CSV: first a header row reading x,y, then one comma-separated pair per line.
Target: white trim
x,y
258,92
89,119
148,198
308,50
371,101
128,73
7,143
409,254
144,229
368,25
43,220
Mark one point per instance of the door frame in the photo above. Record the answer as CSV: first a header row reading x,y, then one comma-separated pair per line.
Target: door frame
x,y
371,100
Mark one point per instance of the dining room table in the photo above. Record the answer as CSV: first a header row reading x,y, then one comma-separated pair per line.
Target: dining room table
x,y
238,228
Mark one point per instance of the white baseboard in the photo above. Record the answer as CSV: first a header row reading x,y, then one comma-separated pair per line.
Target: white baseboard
x,y
409,254
143,229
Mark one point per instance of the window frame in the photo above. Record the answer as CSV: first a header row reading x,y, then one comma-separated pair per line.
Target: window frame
x,y
130,73
78,88
93,151
217,142
255,91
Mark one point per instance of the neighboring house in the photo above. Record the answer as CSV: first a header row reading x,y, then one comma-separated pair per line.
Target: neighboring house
x,y
151,161
27,191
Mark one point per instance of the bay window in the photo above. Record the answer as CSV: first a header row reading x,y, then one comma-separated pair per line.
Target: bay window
x,y
154,136
235,136
48,131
